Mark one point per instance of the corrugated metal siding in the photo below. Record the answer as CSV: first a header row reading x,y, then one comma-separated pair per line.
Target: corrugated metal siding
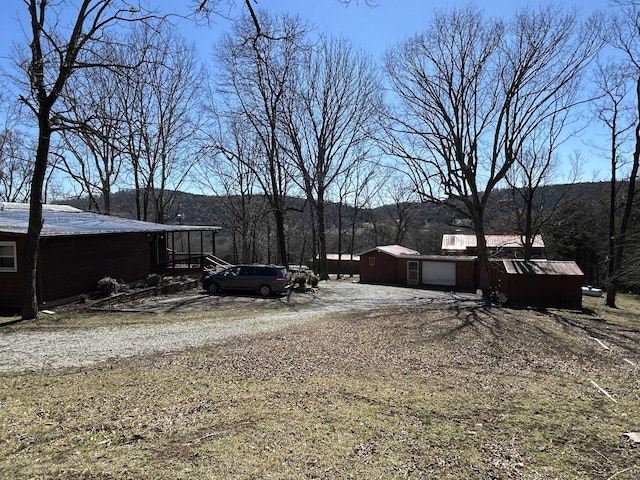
x,y
344,266
378,267
542,267
545,291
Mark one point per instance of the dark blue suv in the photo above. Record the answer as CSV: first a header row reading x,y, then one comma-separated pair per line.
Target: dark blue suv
x,y
263,279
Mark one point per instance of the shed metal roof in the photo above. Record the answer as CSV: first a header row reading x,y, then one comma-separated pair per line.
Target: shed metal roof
x,y
64,220
393,250
461,242
542,267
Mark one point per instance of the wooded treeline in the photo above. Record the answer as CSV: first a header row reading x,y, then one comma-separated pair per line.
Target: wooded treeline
x,y
576,230
301,135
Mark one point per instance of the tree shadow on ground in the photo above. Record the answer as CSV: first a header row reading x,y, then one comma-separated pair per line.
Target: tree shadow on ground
x,y
508,328
592,325
478,319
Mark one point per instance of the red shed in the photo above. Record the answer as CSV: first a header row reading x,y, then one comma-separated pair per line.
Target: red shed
x,y
397,265
388,264
542,283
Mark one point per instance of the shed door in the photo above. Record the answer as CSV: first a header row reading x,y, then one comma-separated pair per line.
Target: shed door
x,y
412,273
439,273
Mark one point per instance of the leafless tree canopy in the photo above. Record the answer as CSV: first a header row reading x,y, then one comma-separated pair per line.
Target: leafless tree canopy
x,y
474,91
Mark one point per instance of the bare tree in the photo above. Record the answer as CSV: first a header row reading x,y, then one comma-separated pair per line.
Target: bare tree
x,y
354,189
328,122
256,75
401,205
94,150
210,7
531,205
56,51
625,37
365,181
16,166
472,91
160,99
227,173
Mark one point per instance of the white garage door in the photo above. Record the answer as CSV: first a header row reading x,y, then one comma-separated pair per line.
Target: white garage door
x,y
438,273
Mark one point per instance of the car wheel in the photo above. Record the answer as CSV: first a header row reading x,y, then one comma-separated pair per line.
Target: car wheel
x,y
264,290
213,288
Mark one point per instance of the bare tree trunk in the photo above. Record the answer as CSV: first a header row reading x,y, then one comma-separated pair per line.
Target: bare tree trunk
x,y
323,268
528,227
339,271
611,267
52,61
31,254
314,242
483,257
280,237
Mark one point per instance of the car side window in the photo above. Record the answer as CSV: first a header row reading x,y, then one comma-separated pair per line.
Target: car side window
x,y
232,272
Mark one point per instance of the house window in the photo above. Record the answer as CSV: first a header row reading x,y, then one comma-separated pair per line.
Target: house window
x,y
372,261
8,257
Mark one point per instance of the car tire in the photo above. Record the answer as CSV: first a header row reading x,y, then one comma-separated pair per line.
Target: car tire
x,y
213,288
265,290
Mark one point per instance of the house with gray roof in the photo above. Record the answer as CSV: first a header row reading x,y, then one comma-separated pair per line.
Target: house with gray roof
x,y
78,248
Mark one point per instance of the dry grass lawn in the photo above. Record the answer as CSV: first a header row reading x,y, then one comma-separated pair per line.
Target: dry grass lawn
x,y
420,392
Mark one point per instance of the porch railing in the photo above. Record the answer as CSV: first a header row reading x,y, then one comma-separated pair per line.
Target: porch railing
x,y
184,263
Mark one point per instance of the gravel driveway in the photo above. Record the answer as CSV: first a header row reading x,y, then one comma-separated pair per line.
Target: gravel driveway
x,y
32,350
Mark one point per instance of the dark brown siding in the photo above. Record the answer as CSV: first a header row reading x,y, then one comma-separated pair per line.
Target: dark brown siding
x,y
378,267
346,266
401,271
465,275
73,265
11,282
392,270
544,291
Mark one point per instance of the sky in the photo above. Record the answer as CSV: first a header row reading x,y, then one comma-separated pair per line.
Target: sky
x,y
374,29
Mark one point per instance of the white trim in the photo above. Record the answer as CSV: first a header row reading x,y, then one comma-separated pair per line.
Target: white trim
x,y
15,257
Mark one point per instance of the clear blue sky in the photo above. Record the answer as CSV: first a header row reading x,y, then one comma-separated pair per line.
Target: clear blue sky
x,y
373,28
376,28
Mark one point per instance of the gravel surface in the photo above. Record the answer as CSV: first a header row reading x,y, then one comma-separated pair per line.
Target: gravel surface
x,y
38,349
